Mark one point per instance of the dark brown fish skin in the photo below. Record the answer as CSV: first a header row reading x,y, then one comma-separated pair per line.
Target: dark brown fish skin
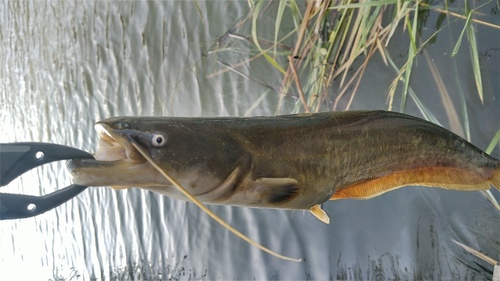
x,y
315,156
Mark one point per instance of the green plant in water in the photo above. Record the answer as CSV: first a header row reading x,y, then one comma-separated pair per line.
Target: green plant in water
x,y
329,36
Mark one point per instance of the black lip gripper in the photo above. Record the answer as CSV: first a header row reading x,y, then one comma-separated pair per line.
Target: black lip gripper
x,y
16,159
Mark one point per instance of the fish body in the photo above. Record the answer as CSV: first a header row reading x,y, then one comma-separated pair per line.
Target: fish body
x,y
287,162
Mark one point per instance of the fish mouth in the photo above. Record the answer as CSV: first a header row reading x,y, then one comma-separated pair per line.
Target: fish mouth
x,y
117,162
113,146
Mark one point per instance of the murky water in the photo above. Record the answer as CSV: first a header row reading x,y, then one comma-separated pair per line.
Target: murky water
x,y
67,64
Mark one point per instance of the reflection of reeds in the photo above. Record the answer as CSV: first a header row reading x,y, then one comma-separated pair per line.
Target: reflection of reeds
x,y
477,253
329,36
326,49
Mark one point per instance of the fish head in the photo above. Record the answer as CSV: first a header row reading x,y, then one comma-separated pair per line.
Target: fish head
x,y
199,155
117,134
117,162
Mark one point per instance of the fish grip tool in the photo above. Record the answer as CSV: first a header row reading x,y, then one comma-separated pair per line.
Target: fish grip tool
x,y
18,158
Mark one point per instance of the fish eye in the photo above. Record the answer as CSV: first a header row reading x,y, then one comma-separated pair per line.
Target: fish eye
x,y
158,140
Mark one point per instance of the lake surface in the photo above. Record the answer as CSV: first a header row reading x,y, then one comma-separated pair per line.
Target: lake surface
x,y
66,65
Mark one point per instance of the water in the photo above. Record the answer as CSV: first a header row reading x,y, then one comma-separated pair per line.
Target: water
x,y
66,65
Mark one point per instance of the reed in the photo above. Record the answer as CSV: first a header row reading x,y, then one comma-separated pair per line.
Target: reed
x,y
329,38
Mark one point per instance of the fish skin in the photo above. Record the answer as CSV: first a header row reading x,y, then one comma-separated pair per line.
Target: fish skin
x,y
293,161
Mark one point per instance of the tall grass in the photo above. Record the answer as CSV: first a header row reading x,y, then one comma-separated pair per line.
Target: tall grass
x,y
330,36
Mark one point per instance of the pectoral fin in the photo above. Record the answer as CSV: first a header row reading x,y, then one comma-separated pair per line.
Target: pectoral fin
x,y
320,214
277,190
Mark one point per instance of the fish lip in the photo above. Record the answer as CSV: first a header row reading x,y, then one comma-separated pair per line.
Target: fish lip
x,y
116,163
115,145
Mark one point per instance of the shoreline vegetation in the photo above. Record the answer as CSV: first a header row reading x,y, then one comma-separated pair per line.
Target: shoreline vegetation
x,y
330,38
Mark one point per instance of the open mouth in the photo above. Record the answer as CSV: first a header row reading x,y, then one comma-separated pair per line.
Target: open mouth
x,y
117,163
114,147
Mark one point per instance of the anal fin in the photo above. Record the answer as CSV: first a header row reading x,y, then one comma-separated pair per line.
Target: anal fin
x,y
320,214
